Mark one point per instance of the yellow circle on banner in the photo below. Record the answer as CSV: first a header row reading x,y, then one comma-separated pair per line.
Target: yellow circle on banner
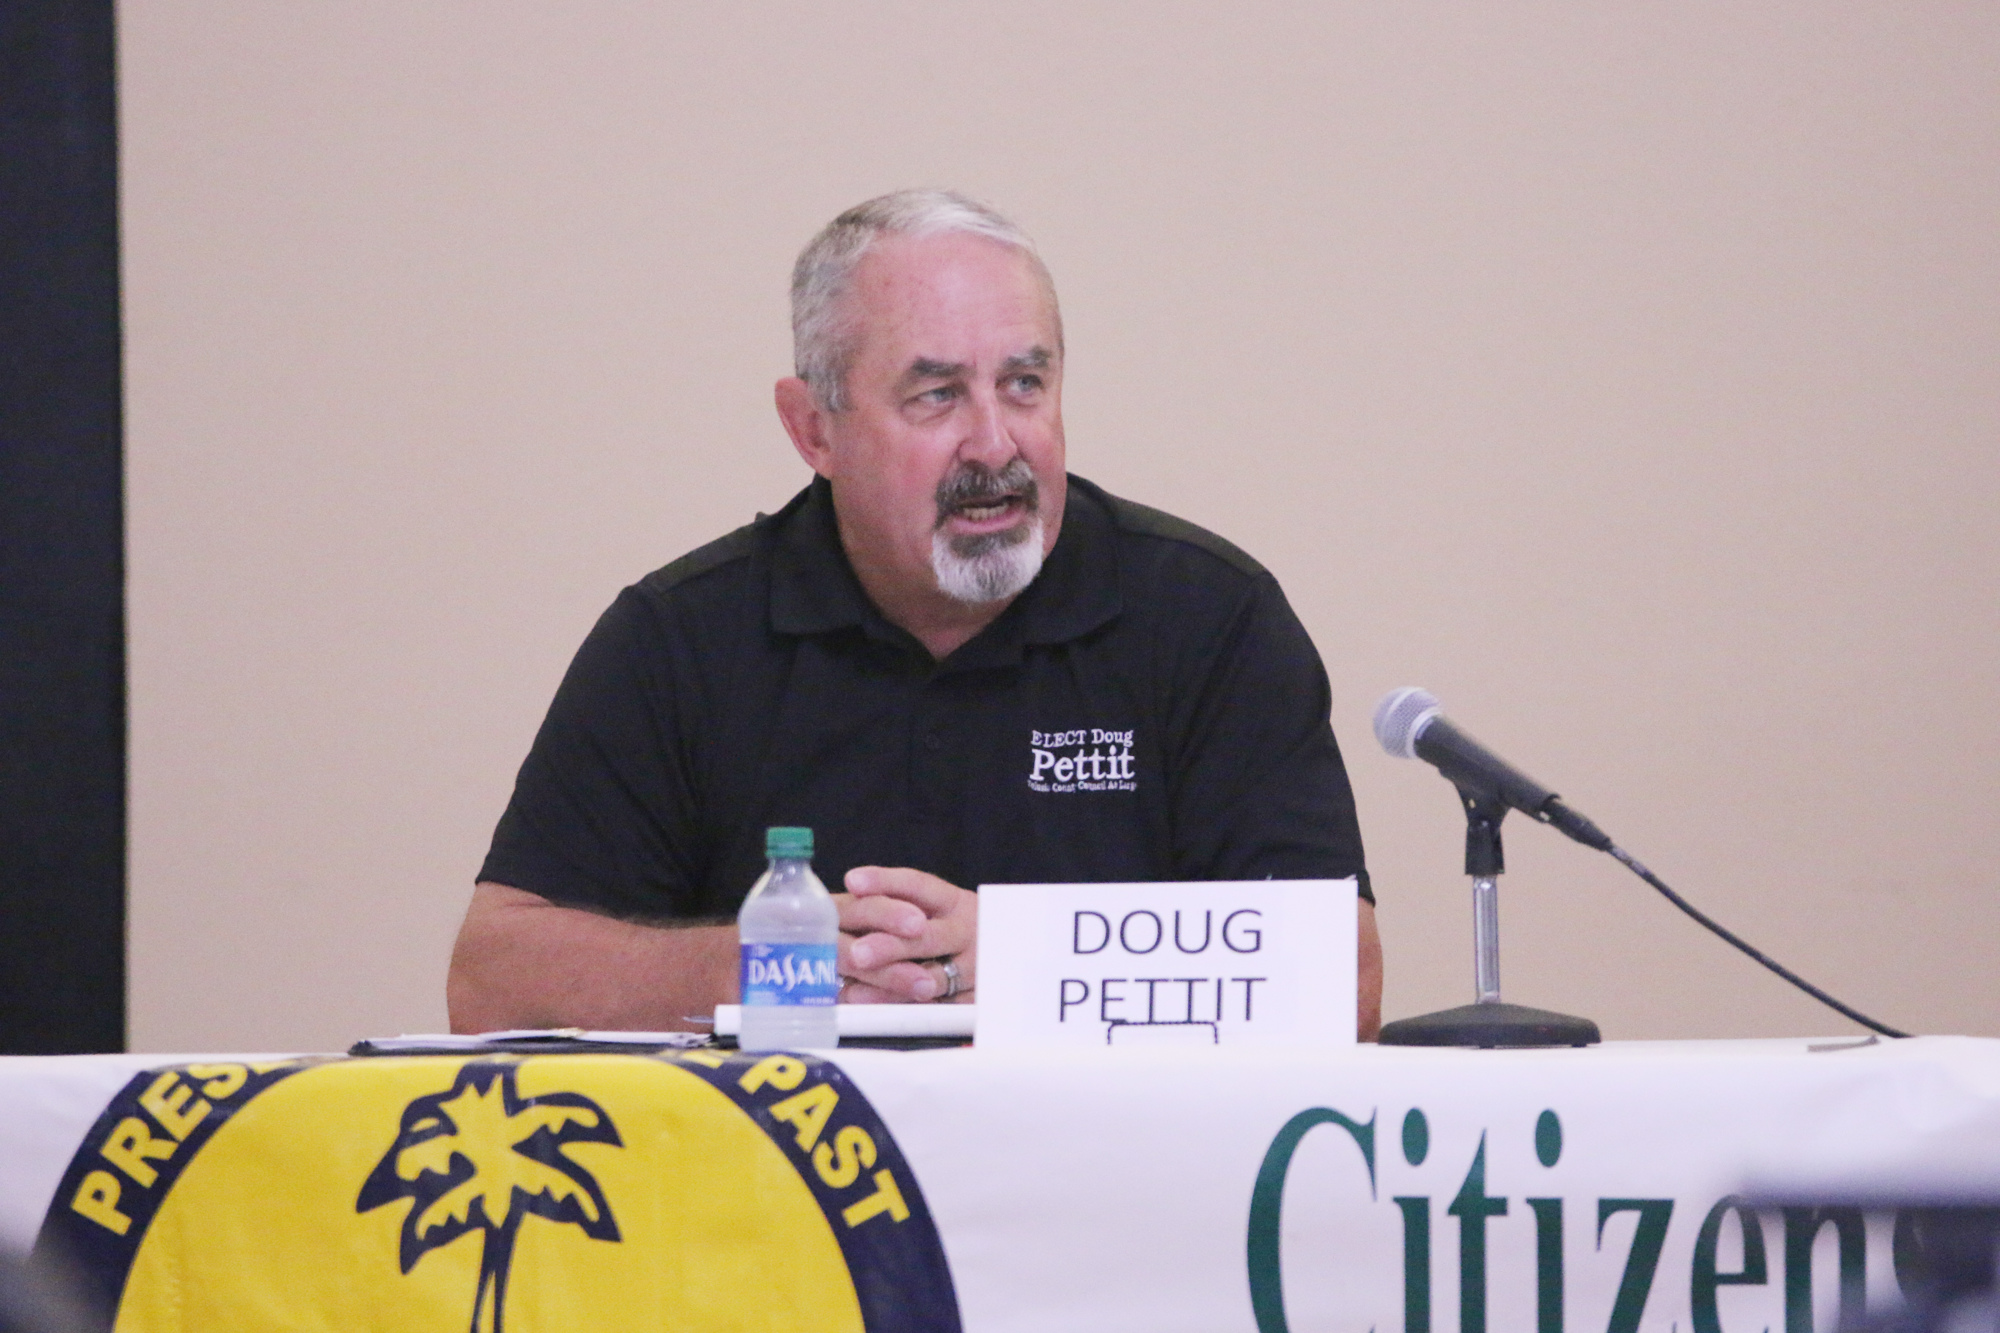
x,y
714,1229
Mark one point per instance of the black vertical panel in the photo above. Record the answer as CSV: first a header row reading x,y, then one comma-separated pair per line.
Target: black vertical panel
x,y
62,559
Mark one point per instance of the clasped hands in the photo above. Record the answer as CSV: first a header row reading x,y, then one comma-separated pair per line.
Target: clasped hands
x,y
899,928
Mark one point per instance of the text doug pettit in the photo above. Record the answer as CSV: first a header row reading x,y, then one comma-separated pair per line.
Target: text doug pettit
x,y
1145,940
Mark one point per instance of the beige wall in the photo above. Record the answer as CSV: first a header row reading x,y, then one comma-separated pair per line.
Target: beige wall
x,y
1625,373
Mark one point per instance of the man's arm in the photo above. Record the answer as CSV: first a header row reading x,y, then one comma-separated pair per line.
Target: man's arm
x,y
1368,1007
522,961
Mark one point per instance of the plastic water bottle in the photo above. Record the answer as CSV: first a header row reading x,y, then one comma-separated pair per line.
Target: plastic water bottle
x,y
789,929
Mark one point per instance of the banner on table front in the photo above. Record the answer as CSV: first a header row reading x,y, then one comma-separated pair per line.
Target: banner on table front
x,y
696,1189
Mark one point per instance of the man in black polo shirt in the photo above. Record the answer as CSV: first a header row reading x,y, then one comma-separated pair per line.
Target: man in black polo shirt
x,y
951,660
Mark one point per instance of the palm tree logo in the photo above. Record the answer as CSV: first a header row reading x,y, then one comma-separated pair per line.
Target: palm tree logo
x,y
482,1157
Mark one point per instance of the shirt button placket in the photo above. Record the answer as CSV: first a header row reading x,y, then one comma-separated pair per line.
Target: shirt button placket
x,y
930,770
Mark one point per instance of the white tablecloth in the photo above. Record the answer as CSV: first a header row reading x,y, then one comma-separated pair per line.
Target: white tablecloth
x,y
1147,1190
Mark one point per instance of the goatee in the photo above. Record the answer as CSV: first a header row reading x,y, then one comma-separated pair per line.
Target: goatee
x,y
985,567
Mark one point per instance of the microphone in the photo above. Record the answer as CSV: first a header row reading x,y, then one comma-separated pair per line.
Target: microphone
x,y
1411,724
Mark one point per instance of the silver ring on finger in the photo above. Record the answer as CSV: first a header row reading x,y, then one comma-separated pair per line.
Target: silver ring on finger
x,y
953,982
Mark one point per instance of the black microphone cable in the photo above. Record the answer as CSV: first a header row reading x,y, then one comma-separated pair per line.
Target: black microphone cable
x,y
1632,863
1400,722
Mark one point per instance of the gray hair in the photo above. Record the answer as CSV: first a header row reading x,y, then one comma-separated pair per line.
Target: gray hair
x,y
823,344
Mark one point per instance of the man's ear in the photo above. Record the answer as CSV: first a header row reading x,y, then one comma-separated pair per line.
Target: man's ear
x,y
805,422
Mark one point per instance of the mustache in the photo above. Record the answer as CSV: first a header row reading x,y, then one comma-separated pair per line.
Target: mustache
x,y
972,484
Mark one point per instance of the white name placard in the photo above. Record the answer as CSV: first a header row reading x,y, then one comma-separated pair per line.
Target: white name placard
x,y
1261,962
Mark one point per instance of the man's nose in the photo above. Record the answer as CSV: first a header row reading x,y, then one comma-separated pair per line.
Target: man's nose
x,y
986,437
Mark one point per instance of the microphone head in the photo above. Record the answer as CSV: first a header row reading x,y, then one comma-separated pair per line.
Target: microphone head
x,y
1402,716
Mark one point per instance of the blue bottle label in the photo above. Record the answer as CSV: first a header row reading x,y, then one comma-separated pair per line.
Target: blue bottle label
x,y
805,974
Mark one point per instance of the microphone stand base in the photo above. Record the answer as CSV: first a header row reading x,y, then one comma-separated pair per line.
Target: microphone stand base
x,y
1491,1025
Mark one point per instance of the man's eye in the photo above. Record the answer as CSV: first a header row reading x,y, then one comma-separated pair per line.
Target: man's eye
x,y
1025,384
939,396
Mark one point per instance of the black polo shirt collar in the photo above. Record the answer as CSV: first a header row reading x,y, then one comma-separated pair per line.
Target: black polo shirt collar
x,y
814,589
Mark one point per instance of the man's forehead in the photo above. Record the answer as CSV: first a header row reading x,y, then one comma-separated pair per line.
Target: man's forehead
x,y
922,278
903,258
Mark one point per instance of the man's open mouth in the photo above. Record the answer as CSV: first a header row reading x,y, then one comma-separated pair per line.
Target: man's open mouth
x,y
986,511
979,496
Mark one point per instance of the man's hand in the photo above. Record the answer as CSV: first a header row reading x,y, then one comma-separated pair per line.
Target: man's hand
x,y
898,928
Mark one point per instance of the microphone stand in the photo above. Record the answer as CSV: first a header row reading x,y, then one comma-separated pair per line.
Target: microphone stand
x,y
1488,1021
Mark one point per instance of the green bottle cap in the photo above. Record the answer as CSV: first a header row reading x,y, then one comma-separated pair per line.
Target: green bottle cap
x,y
788,842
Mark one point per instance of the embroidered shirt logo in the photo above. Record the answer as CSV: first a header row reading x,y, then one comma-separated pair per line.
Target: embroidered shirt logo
x,y
1083,759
